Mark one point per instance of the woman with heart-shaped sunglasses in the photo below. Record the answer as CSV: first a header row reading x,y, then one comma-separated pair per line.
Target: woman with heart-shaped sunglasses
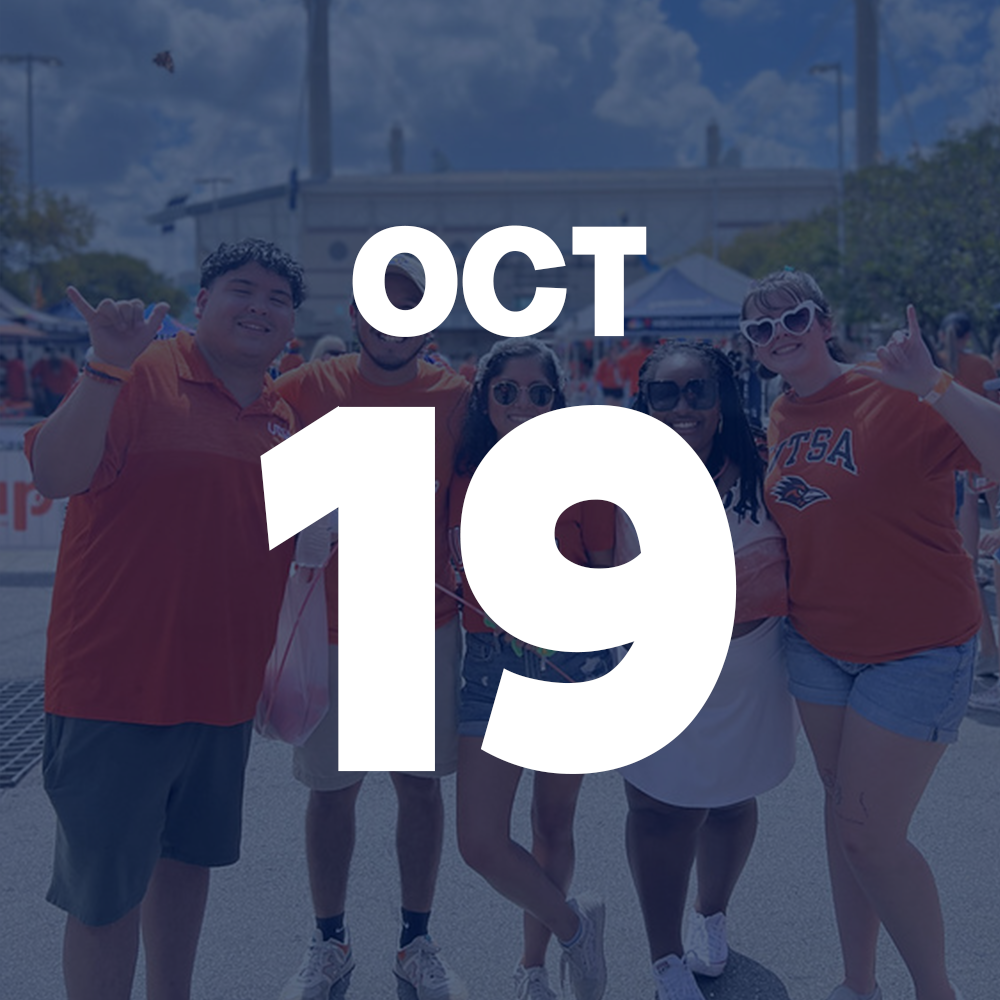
x,y
883,605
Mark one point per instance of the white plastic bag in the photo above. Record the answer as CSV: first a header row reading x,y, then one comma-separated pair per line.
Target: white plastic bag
x,y
296,692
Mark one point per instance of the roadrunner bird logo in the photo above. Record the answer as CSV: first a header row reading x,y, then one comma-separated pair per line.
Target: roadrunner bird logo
x,y
796,492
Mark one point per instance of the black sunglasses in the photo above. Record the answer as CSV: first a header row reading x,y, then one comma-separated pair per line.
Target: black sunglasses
x,y
700,393
507,393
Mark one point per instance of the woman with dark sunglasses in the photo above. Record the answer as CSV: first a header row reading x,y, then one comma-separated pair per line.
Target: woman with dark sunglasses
x,y
515,382
695,800
883,605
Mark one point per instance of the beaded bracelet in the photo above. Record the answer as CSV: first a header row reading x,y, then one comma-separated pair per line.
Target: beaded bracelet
x,y
940,388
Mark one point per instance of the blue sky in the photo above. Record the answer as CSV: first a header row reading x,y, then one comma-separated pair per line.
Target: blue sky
x,y
523,84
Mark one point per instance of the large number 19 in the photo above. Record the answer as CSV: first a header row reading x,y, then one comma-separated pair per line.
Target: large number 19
x,y
674,602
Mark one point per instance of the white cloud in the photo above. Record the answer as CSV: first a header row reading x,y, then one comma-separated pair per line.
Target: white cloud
x,y
921,27
982,102
775,120
657,83
734,10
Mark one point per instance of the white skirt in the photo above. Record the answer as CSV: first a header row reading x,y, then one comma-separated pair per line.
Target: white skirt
x,y
742,743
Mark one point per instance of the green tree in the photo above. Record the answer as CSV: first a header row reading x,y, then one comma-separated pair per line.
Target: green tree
x,y
926,231
52,227
99,275
43,248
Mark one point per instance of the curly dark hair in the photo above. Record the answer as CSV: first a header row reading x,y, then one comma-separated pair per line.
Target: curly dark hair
x,y
230,256
478,433
735,440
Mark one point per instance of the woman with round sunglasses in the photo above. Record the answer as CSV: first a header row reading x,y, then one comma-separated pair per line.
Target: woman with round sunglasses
x,y
694,801
515,382
883,605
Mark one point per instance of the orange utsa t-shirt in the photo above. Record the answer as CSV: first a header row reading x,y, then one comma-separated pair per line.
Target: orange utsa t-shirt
x,y
861,482
315,389
166,597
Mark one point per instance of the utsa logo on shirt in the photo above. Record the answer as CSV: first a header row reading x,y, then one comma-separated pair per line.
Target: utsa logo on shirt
x,y
796,492
278,430
820,447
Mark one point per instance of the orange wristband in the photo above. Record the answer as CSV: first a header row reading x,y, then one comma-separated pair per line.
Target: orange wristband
x,y
95,364
940,388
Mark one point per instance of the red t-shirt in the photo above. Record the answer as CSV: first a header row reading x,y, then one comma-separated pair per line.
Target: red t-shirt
x,y
315,389
166,597
861,482
588,526
630,363
17,381
56,374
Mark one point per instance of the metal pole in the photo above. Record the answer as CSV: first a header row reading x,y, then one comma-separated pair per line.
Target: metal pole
x,y
840,164
838,69
29,61
31,137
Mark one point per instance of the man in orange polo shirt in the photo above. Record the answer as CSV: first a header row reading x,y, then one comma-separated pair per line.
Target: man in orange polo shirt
x,y
164,611
387,372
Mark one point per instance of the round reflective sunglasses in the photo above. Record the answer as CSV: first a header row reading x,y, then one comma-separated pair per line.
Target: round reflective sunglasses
x,y
797,320
700,393
507,393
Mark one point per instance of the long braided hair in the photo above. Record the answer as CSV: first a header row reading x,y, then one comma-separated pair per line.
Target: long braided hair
x,y
735,439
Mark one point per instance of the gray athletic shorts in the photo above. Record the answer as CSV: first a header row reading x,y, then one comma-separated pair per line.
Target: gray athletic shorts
x,y
126,795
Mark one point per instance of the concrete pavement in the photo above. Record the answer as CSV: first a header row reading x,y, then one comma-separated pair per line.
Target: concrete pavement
x,y
258,919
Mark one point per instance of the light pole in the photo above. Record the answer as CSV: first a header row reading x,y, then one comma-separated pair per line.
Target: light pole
x,y
835,67
29,61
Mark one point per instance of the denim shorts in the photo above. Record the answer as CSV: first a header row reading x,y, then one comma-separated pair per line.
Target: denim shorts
x,y
486,658
923,696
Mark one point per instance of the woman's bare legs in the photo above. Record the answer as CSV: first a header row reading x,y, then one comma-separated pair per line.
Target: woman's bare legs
x,y
486,789
874,780
553,810
661,841
724,844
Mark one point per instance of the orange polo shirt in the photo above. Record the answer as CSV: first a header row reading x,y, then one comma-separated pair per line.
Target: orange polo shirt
x,y
315,389
166,597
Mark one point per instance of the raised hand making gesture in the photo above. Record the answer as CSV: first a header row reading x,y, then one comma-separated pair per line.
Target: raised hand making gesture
x,y
905,362
69,447
119,331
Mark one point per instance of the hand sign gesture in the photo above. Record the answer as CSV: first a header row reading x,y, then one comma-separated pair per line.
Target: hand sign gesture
x,y
118,330
905,362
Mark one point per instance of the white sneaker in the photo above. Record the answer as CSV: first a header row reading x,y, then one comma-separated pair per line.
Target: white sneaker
x,y
705,946
420,966
326,965
583,961
674,980
532,984
988,700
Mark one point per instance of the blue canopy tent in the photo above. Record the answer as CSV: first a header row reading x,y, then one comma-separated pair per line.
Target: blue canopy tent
x,y
695,297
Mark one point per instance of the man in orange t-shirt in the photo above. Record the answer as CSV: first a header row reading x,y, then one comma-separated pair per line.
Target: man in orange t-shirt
x,y
164,611
609,377
630,363
387,372
52,376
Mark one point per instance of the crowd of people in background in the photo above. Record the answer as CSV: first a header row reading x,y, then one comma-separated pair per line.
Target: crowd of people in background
x,y
856,535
